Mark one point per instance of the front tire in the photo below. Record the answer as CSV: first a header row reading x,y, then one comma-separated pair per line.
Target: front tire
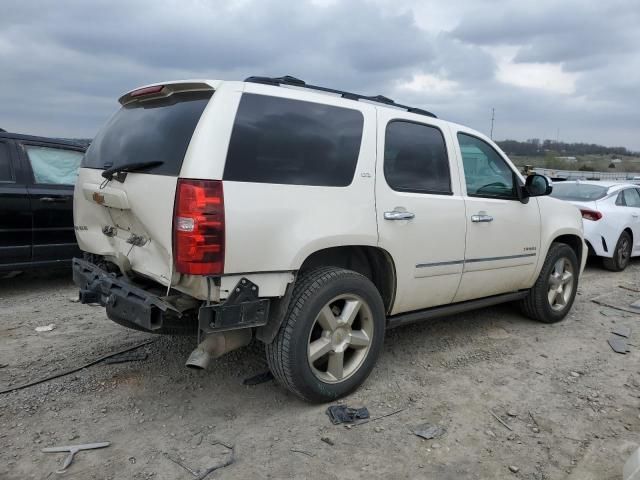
x,y
621,255
331,336
552,296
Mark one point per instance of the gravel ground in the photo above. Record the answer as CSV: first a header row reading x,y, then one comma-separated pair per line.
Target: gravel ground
x,y
568,405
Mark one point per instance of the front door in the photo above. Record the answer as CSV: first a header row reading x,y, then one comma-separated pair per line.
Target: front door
x,y
420,212
15,213
503,234
54,171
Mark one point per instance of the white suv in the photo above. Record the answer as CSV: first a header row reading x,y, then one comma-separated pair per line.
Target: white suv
x,y
311,219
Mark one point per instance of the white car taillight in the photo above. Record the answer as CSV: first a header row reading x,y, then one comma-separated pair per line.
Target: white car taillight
x,y
199,227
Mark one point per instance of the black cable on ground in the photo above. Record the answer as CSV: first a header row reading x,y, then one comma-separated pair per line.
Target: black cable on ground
x,y
67,372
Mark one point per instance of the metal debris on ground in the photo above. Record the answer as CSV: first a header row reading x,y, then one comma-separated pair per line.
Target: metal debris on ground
x,y
202,474
328,441
127,357
618,344
46,328
605,302
377,418
258,379
304,452
631,468
500,420
622,331
428,431
72,450
343,414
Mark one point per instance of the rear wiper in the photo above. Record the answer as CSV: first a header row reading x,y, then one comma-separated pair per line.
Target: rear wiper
x,y
112,172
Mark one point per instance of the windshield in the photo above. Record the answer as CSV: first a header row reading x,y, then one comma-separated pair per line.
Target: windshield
x,y
578,191
151,131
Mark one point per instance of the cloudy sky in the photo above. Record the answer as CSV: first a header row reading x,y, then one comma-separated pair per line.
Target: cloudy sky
x,y
547,67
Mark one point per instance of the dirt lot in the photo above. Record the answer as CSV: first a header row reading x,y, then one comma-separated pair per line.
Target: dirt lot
x,y
570,403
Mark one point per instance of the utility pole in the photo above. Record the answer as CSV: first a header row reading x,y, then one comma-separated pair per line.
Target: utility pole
x,y
493,112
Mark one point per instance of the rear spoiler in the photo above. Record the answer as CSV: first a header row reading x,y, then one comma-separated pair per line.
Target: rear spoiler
x,y
150,92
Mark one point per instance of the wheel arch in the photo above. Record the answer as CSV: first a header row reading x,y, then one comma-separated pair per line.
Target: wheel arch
x,y
573,241
373,262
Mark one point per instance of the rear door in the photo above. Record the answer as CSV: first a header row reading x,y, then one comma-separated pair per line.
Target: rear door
x,y
15,212
129,218
420,211
503,234
52,175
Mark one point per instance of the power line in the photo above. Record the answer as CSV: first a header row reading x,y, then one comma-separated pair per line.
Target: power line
x,y
493,111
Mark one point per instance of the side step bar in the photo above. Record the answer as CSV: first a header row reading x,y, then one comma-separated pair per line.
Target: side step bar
x,y
452,309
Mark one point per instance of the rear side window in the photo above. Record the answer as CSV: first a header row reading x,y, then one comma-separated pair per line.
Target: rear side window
x,y
53,166
415,158
631,197
5,163
284,141
578,191
153,130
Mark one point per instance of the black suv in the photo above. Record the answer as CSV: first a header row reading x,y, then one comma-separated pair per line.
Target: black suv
x,y
37,176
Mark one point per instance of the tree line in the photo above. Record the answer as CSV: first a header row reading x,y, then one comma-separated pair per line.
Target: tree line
x,y
534,147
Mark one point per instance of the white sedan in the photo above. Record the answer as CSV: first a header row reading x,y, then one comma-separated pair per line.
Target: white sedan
x,y
610,215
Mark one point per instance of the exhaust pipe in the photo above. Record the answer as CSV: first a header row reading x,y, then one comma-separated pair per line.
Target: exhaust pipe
x,y
217,344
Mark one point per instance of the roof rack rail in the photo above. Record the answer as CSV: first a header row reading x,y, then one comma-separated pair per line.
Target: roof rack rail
x,y
296,82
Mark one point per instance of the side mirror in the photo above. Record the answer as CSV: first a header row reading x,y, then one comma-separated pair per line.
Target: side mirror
x,y
538,185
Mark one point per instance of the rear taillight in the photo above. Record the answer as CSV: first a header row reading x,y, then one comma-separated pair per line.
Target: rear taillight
x,y
588,214
198,227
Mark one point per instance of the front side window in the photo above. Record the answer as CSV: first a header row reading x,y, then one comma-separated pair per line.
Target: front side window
x,y
485,171
415,158
6,174
631,197
53,166
284,141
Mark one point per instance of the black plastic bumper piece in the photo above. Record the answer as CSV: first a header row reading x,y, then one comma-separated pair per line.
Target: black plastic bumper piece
x,y
123,300
243,309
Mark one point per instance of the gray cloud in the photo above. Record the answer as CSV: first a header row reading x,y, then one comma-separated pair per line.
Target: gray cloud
x,y
62,68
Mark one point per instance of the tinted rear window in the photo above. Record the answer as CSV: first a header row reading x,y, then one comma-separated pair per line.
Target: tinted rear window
x,y
278,140
155,130
578,191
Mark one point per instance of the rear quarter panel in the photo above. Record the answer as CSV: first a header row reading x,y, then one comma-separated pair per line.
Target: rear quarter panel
x,y
273,227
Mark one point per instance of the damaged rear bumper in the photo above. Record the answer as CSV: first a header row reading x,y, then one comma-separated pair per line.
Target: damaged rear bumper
x,y
128,303
123,300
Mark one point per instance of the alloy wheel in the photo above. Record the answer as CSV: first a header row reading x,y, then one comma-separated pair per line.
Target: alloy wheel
x,y
624,251
561,284
340,338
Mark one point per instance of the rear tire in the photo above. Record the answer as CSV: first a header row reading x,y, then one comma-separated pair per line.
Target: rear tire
x,y
621,254
331,336
552,296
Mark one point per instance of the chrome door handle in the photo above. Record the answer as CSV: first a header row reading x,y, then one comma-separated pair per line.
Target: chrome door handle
x,y
481,218
397,215
53,199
